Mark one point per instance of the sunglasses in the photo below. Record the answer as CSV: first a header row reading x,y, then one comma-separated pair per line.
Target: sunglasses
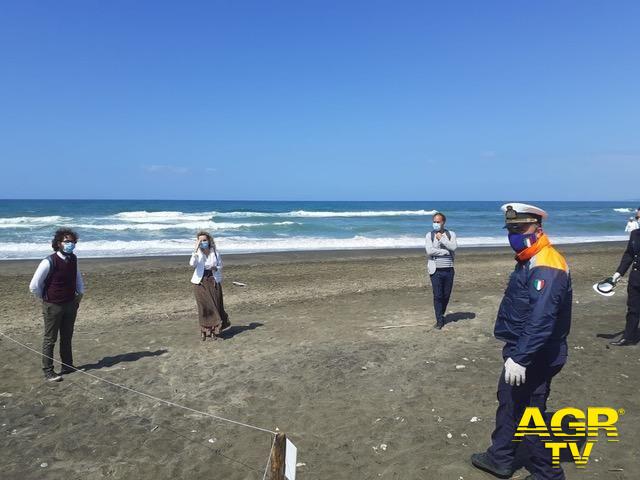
x,y
518,227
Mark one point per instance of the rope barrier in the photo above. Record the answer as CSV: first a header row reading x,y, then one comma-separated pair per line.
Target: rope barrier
x,y
142,394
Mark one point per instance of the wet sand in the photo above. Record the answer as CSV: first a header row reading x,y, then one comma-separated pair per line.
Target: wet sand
x,y
307,354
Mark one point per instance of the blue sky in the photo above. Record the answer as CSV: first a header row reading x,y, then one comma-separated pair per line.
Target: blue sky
x,y
320,100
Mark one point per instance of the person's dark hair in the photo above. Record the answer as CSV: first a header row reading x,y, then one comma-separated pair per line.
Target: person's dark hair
x,y
212,242
444,217
59,236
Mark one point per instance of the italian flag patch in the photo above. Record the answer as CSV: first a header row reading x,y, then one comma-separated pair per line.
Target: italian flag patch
x,y
538,284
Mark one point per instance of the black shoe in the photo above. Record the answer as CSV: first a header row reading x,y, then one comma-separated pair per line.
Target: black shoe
x,y
68,370
438,326
623,342
52,377
484,462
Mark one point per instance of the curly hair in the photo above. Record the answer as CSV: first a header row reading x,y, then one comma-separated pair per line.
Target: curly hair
x,y
59,237
212,242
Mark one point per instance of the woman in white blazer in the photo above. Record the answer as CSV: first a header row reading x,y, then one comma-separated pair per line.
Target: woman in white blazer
x,y
207,287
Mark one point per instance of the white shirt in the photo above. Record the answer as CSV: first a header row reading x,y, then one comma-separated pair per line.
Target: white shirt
x,y
440,253
37,282
203,262
632,225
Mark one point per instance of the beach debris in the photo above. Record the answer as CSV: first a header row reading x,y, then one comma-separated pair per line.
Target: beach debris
x,y
449,435
239,284
439,419
6,394
363,368
300,464
154,428
391,389
617,469
44,465
194,431
624,376
465,359
578,347
213,440
464,435
382,446
474,419
460,367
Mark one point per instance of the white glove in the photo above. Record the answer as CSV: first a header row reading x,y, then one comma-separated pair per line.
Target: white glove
x,y
615,277
514,373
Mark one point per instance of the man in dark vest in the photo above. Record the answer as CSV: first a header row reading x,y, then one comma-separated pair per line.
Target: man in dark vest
x,y
630,258
58,283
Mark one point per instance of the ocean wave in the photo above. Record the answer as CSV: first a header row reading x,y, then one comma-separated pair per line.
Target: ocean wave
x,y
173,216
239,244
217,226
623,210
328,214
29,222
144,217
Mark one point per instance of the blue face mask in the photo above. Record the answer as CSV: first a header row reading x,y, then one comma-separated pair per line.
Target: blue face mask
x,y
204,245
436,226
68,247
520,241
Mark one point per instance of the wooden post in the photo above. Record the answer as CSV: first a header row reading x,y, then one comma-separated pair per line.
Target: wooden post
x,y
278,457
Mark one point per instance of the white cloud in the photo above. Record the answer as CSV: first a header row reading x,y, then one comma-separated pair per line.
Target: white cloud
x,y
172,169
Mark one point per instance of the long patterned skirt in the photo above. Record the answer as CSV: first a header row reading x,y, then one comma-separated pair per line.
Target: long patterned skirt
x,y
211,314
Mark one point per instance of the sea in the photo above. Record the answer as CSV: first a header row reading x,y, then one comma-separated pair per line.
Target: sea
x,y
133,228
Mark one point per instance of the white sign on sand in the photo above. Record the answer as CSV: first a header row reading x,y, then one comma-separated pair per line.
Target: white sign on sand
x,y
290,456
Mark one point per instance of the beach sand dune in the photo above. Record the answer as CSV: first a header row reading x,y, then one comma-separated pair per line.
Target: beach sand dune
x,y
307,354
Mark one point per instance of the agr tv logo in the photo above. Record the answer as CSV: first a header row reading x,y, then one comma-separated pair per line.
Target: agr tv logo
x,y
582,428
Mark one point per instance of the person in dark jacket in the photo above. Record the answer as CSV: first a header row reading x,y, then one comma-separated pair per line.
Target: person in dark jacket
x,y
533,320
630,258
58,283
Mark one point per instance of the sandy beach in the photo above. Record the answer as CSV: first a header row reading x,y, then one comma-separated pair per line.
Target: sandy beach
x,y
306,354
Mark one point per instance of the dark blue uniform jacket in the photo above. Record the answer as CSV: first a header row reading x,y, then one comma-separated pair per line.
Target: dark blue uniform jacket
x,y
534,317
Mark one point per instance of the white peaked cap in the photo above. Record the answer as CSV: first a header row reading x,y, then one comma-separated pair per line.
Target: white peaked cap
x,y
524,208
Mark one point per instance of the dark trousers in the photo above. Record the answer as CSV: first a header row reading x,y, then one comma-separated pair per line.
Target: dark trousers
x,y
633,313
512,402
58,318
442,284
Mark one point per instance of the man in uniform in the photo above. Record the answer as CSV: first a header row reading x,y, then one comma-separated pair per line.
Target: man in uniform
x,y
533,320
631,257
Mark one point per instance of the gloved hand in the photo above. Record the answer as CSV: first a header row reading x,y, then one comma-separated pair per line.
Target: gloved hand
x,y
615,277
514,373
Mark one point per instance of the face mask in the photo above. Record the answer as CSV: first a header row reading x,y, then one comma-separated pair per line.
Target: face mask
x,y
204,245
68,247
520,241
436,226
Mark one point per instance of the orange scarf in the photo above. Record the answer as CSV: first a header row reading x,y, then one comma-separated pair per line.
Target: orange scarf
x,y
529,252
